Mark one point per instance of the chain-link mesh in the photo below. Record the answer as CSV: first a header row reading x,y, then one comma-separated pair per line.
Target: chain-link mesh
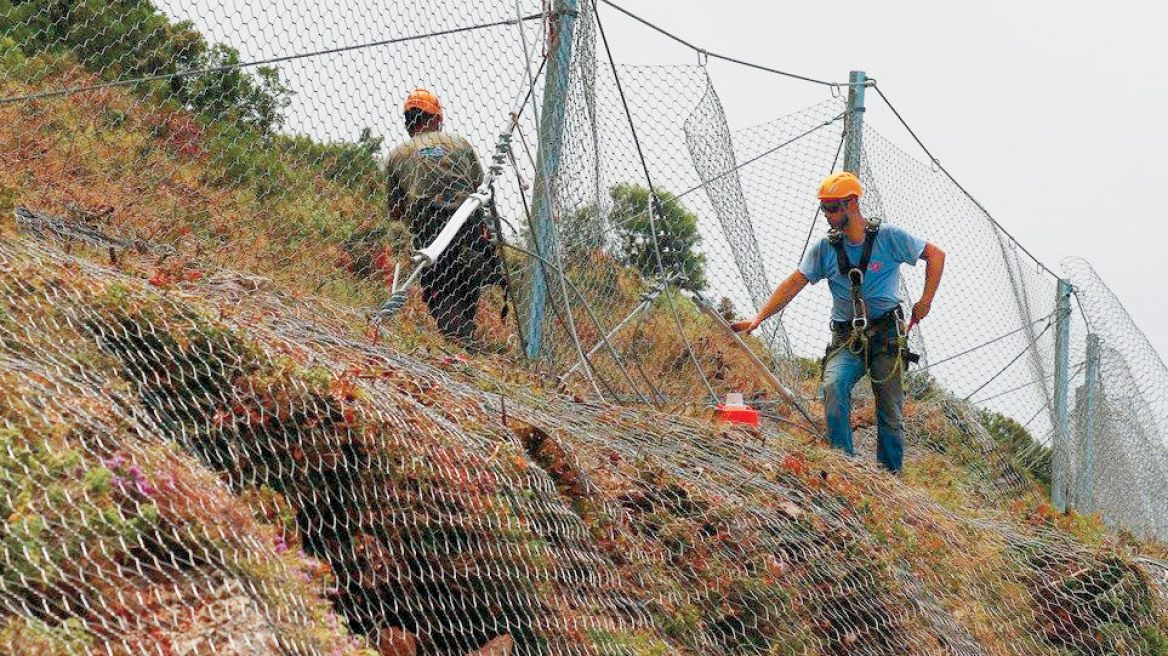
x,y
227,426
1119,457
201,471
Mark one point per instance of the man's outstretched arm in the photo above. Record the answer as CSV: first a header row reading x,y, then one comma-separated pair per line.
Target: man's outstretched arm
x,y
778,300
934,265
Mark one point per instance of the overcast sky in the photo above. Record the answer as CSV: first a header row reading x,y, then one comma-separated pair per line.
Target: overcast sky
x,y
1046,112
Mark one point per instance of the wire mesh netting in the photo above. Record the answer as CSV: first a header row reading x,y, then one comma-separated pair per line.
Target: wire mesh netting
x,y
1121,409
397,332
199,471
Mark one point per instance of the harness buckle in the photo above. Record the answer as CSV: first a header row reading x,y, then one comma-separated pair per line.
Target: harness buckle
x,y
859,314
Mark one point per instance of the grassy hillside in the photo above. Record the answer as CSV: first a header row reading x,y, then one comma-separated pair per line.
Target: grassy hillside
x,y
306,215
268,446
197,422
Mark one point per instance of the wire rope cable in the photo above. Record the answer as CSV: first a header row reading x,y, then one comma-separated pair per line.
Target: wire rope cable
x,y
264,62
1010,363
707,53
936,162
652,201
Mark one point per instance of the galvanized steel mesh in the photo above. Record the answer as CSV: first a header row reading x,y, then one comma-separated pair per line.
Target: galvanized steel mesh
x,y
210,441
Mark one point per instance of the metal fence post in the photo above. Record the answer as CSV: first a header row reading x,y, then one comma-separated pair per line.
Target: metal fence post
x,y
854,123
551,127
1089,413
1061,447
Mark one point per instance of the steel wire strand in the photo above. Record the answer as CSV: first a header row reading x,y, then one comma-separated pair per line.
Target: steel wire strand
x,y
529,98
984,344
652,201
814,219
738,167
587,364
715,55
264,62
589,369
936,162
596,321
1077,368
456,541
1010,363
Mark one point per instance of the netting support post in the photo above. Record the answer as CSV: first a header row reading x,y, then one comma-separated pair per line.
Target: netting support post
x,y
854,124
1061,451
1091,400
551,128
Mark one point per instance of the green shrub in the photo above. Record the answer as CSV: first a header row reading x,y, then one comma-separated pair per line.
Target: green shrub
x,y
124,39
1017,441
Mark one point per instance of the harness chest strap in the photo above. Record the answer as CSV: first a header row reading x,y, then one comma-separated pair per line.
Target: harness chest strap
x,y
855,274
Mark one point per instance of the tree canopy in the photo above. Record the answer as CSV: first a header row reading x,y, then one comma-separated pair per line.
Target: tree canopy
x,y
125,39
627,233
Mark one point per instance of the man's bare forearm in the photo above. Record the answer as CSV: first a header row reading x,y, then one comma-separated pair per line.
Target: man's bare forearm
x,y
934,266
782,295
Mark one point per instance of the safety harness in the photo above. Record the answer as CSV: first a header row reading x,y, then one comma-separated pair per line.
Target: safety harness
x,y
858,340
855,274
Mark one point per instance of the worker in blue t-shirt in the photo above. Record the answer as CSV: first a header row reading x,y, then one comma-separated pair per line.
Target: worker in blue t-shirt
x,y
861,261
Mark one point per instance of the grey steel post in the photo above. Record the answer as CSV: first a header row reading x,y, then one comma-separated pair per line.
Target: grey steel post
x,y
1061,451
551,127
1089,414
854,124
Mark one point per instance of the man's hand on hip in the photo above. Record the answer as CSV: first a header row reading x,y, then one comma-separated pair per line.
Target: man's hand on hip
x,y
920,311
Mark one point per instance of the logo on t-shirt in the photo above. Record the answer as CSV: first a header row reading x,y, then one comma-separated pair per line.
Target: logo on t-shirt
x,y
874,267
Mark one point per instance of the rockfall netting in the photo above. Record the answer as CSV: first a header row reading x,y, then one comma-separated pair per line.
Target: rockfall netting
x,y
214,466
223,432
1118,454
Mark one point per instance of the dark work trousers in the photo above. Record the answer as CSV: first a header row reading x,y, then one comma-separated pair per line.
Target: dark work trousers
x,y
452,286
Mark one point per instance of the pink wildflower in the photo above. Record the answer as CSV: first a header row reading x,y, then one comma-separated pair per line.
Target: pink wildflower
x,y
145,488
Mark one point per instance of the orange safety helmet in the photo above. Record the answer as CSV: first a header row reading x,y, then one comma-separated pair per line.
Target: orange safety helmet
x,y
424,100
839,186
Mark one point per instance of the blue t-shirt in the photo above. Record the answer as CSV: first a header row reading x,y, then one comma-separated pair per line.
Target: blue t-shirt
x,y
881,288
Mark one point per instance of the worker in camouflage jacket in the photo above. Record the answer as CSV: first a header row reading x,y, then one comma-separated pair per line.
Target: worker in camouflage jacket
x,y
428,178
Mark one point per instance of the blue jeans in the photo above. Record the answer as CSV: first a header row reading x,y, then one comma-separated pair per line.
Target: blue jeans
x,y
841,372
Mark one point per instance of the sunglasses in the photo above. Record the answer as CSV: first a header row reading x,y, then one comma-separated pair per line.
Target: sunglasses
x,y
833,206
